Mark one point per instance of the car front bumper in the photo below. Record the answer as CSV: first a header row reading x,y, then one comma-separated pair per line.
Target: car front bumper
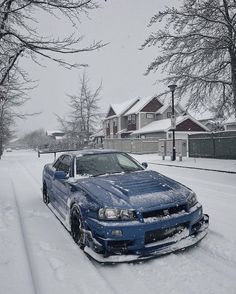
x,y
145,240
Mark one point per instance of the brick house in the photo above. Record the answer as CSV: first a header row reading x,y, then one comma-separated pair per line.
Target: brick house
x,y
148,117
162,129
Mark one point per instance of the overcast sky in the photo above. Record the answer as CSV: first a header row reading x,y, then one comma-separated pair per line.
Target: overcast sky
x,y
120,65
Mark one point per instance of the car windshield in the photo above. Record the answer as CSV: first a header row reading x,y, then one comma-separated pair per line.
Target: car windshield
x,y
105,163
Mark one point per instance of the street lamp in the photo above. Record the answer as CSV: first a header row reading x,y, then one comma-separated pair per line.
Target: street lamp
x,y
173,121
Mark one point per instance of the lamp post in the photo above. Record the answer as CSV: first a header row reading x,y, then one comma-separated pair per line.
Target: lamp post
x,y
173,121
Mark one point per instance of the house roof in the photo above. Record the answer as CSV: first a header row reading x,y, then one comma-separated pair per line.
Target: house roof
x,y
120,108
139,105
164,125
144,101
55,132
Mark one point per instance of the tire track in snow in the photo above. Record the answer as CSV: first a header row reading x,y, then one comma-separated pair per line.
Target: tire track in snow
x,y
202,254
213,249
101,269
216,268
200,258
24,240
111,289
123,277
29,172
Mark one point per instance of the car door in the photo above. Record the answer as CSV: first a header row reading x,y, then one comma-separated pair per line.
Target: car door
x,y
50,179
61,188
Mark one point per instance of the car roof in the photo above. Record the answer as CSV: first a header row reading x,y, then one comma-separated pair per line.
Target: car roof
x,y
91,151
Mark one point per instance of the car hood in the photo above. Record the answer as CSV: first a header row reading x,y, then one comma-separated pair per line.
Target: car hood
x,y
137,190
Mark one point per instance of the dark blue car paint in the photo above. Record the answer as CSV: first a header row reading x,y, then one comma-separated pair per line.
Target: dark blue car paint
x,y
142,191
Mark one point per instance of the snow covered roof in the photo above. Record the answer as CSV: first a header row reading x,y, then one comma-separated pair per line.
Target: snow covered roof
x,y
52,133
144,101
139,105
120,108
164,125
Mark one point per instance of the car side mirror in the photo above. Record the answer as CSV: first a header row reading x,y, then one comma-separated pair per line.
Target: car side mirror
x,y
60,175
144,164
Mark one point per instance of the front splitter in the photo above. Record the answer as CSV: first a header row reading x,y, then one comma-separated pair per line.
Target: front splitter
x,y
180,245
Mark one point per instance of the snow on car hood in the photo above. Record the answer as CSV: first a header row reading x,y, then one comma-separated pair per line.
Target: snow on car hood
x,y
140,189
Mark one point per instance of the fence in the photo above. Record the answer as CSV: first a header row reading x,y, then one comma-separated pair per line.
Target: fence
x,y
213,145
148,145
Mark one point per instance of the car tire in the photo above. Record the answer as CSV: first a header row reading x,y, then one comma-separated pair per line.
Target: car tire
x,y
46,199
77,227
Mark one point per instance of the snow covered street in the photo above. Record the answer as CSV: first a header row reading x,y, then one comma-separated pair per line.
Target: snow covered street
x,y
38,255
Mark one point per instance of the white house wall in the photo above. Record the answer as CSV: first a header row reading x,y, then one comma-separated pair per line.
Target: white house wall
x,y
144,120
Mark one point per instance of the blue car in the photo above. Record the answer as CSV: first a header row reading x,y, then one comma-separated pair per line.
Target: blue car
x,y
116,210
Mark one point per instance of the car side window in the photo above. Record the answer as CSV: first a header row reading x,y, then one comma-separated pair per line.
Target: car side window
x,y
57,163
65,164
126,163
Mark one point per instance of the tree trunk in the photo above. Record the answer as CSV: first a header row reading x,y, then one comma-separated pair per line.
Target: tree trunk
x,y
232,52
1,130
233,78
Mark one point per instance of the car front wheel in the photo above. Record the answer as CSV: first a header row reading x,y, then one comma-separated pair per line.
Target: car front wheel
x,y
77,228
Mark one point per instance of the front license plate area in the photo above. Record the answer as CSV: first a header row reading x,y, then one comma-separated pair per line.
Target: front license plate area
x,y
161,234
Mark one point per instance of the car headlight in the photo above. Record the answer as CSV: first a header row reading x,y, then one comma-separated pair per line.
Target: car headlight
x,y
192,199
116,214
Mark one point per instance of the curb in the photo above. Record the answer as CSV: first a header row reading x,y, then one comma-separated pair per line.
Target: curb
x,y
199,168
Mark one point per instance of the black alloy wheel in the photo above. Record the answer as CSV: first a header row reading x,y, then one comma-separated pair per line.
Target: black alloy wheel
x,y
77,228
46,199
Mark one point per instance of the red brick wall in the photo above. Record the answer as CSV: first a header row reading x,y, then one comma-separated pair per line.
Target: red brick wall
x,y
152,106
131,127
189,125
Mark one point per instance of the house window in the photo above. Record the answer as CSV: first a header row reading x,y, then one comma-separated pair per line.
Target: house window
x,y
114,126
132,119
169,114
150,115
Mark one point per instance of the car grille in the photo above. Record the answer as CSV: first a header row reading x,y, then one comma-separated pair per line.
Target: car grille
x,y
164,212
161,234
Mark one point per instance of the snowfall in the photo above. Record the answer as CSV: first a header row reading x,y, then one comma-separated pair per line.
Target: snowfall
x,y
38,255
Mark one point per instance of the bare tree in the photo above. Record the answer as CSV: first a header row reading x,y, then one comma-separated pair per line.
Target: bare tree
x,y
6,121
18,32
20,37
198,52
35,139
83,117
13,94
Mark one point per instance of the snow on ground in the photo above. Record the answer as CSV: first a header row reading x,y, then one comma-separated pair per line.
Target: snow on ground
x,y
39,256
204,163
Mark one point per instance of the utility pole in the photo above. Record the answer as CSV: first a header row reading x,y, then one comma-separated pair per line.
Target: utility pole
x,y
173,120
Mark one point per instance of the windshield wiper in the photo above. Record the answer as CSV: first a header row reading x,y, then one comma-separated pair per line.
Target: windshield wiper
x,y
108,173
